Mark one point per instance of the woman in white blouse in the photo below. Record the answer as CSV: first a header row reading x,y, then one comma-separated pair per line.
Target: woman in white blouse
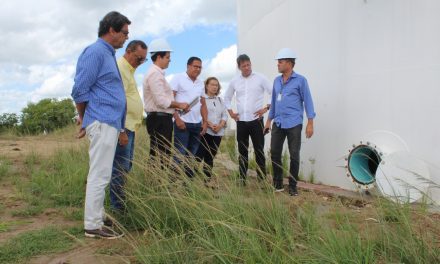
x,y
217,117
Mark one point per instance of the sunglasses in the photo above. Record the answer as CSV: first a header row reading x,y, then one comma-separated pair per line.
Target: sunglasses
x,y
141,59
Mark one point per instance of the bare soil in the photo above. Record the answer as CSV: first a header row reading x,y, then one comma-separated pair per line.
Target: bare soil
x,y
16,150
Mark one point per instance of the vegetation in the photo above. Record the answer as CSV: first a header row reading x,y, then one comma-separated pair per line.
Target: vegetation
x,y
24,246
47,115
171,219
43,117
8,121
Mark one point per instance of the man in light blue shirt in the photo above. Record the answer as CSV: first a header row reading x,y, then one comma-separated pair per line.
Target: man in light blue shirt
x,y
101,104
290,95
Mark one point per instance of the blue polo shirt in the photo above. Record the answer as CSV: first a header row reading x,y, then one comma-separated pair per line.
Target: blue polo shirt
x,y
289,100
98,82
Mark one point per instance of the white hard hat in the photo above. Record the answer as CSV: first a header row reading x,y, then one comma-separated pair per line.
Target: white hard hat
x,y
285,53
158,45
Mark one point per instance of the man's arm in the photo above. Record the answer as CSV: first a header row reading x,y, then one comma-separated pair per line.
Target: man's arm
x,y
204,113
80,108
179,122
228,98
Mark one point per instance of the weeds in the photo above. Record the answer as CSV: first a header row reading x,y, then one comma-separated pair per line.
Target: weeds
x,y
173,219
24,246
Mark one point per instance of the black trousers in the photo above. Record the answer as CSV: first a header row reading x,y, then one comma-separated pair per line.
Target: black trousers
x,y
207,151
160,129
276,149
254,130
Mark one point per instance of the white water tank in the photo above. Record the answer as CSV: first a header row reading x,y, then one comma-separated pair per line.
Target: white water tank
x,y
372,65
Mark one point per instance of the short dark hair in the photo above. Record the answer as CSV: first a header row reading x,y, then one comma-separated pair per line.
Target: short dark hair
x,y
192,59
112,20
132,45
242,58
158,54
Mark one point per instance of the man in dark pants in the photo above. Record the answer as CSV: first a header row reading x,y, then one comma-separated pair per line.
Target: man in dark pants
x,y
249,89
135,55
290,95
159,102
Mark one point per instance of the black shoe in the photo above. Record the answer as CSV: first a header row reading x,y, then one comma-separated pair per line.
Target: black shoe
x,y
293,191
104,233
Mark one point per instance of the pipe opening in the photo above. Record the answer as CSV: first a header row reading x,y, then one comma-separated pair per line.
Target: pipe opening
x,y
363,161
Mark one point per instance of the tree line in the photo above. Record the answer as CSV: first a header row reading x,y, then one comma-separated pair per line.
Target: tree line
x,y
42,117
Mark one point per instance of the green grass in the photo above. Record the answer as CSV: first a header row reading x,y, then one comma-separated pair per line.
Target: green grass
x,y
24,246
5,166
171,219
59,180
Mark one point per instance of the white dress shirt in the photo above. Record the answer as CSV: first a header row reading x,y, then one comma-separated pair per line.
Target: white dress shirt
x,y
186,91
249,94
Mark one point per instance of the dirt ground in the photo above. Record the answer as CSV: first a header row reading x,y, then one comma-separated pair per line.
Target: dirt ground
x,y
15,150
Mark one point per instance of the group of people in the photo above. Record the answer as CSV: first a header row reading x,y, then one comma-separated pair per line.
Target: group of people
x,y
110,111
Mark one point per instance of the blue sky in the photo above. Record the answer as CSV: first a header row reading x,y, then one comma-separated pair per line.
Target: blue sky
x,y
42,41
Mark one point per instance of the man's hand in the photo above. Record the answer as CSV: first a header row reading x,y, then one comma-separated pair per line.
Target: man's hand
x,y
81,131
123,138
185,107
260,112
180,124
266,128
309,130
204,128
234,116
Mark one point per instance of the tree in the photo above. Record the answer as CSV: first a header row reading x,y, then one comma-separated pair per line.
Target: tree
x,y
8,121
47,115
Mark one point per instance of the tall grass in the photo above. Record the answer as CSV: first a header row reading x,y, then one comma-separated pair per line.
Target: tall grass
x,y
182,221
173,219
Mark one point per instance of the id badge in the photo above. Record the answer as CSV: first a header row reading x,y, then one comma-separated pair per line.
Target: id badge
x,y
279,97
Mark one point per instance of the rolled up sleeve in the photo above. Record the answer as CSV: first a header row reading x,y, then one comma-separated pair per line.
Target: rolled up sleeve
x,y
86,75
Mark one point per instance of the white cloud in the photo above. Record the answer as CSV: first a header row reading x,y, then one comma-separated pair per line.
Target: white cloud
x,y
57,85
49,30
12,101
222,66
41,40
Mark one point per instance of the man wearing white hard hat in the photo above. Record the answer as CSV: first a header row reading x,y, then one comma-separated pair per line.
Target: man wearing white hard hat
x,y
290,97
159,102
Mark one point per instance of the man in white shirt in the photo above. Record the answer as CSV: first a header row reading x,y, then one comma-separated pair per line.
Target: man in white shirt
x,y
249,88
188,127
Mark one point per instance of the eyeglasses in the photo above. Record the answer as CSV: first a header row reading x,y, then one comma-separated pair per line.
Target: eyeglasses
x,y
141,59
124,32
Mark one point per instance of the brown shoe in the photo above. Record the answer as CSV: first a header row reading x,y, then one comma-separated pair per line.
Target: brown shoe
x,y
108,222
104,233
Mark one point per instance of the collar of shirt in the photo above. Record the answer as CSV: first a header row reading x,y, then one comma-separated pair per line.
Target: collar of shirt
x,y
127,64
106,45
247,77
293,75
159,69
189,78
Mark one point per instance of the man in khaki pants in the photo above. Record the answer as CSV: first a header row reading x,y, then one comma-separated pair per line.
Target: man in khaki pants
x,y
100,101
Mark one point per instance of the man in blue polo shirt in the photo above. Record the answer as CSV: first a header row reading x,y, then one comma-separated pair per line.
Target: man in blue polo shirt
x,y
290,95
101,104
